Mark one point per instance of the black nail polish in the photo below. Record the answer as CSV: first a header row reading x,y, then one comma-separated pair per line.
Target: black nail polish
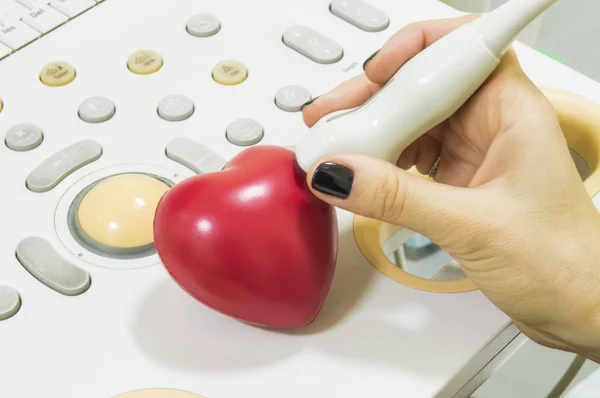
x,y
333,179
368,59
308,103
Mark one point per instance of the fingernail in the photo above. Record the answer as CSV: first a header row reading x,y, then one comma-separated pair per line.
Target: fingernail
x,y
368,59
308,103
333,179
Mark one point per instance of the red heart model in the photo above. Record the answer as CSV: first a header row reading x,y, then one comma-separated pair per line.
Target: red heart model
x,y
250,241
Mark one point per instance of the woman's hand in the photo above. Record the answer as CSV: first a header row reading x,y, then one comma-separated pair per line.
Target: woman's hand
x,y
507,202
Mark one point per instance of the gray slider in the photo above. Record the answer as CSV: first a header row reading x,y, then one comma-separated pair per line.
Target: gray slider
x,y
203,25
43,262
291,98
58,166
24,137
312,44
360,14
175,108
96,110
244,132
194,156
10,302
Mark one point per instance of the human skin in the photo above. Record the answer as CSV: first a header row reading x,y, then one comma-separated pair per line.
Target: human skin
x,y
507,202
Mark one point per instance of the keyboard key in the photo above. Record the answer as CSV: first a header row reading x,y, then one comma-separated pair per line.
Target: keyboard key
x,y
96,110
10,302
16,34
312,44
175,108
194,156
144,62
56,74
72,8
24,137
203,25
58,166
229,73
244,132
44,19
4,50
33,4
40,259
10,9
360,14
291,98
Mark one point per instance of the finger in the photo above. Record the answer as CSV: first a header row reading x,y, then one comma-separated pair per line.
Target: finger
x,y
349,94
408,42
379,190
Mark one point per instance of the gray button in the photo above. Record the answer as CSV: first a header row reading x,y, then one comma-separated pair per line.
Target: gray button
x,y
96,110
40,259
24,137
244,132
58,166
194,156
203,25
360,14
312,44
10,302
291,98
175,108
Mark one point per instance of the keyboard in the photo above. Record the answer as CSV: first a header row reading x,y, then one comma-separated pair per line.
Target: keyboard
x,y
103,102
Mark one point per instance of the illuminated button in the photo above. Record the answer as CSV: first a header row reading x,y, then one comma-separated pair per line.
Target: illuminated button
x,y
40,259
203,25
229,73
244,132
158,393
116,215
144,62
10,302
1,105
24,137
57,74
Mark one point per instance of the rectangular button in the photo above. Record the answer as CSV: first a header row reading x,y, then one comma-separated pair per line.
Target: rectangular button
x,y
312,44
360,14
40,259
10,9
72,8
194,156
58,166
4,50
16,34
44,19
33,4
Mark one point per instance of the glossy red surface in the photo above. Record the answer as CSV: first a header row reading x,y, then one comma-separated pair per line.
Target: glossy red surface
x,y
250,241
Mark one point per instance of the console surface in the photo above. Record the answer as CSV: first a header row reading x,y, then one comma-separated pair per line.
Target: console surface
x,y
155,92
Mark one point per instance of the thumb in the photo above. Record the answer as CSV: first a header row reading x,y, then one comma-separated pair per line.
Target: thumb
x,y
377,189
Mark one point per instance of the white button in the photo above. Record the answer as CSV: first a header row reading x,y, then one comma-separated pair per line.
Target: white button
x,y
10,9
16,34
44,19
72,8
4,51
33,4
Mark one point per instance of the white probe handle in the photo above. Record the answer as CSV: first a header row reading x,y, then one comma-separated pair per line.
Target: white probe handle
x,y
427,90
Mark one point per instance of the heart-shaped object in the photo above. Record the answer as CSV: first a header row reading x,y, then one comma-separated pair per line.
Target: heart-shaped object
x,y
250,241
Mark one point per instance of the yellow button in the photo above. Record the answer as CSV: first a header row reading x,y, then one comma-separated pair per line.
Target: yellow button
x,y
1,105
229,73
57,74
158,393
144,62
118,212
